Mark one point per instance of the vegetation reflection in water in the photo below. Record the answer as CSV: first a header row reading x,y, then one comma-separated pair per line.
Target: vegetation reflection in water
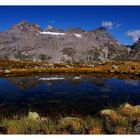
x,y
65,94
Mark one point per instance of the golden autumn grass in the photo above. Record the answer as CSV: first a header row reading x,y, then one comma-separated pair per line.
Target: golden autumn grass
x,y
112,67
122,120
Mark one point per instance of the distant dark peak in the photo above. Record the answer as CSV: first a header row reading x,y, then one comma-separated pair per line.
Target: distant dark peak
x,y
77,30
24,22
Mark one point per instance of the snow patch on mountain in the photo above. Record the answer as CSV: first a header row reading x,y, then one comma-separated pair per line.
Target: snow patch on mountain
x,y
78,35
56,33
51,33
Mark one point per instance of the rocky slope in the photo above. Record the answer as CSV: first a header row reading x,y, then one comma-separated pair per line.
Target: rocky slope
x,y
26,41
135,51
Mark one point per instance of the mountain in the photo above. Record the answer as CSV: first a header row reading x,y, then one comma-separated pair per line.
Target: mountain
x,y
135,51
26,41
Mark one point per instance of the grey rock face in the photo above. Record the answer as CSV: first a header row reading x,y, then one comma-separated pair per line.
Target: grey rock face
x,y
29,42
135,51
75,30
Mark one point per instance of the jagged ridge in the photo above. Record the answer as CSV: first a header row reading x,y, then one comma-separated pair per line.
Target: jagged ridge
x,y
29,42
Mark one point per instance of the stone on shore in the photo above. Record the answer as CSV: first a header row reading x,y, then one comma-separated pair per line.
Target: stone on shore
x,y
126,105
107,112
7,71
33,116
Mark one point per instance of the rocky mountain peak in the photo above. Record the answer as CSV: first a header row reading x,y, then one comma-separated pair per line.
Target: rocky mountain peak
x,y
53,29
24,22
76,30
26,41
135,50
25,26
136,43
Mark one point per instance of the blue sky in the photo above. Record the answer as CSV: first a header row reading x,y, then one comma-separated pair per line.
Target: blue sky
x,y
122,22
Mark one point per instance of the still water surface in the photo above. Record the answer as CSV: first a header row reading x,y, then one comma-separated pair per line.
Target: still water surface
x,y
65,95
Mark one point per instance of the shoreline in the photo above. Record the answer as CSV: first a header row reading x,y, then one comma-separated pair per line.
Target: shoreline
x,y
128,68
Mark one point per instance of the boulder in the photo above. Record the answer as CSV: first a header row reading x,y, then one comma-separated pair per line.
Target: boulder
x,y
114,67
129,108
126,105
7,71
33,116
136,108
107,112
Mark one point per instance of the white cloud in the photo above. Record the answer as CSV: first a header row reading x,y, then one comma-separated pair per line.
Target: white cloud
x,y
110,24
135,34
107,24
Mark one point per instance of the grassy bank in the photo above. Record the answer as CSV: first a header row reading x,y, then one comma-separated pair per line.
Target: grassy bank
x,y
122,120
112,67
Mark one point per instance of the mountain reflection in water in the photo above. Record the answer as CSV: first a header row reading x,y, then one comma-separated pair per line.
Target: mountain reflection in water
x,y
64,95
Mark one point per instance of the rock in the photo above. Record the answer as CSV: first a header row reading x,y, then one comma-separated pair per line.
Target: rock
x,y
26,41
76,30
7,71
135,51
129,108
107,112
136,108
77,78
137,73
137,128
33,116
112,71
67,66
126,105
114,67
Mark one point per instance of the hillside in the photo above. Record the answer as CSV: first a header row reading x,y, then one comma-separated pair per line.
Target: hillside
x,y
29,42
